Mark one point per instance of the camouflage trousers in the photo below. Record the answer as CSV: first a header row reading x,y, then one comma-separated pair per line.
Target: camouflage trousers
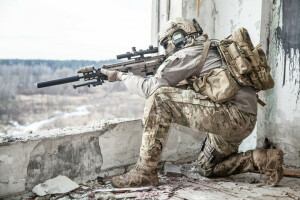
x,y
225,124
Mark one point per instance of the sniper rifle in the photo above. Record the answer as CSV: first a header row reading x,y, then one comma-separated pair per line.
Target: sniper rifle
x,y
137,63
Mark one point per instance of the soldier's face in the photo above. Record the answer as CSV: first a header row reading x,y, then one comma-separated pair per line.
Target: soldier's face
x,y
169,47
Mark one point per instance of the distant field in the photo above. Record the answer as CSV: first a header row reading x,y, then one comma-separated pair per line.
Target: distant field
x,y
58,111
25,107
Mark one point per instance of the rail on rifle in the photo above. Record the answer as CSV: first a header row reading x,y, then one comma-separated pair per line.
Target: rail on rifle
x,y
139,53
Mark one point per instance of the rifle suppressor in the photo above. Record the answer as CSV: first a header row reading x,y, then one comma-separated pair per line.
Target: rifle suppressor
x,y
58,81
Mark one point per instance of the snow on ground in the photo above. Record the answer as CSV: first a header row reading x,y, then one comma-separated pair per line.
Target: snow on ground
x,y
22,129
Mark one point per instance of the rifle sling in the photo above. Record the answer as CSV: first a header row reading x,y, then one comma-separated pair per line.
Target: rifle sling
x,y
203,58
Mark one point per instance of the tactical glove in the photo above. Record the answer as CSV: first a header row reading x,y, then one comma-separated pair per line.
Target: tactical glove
x,y
112,75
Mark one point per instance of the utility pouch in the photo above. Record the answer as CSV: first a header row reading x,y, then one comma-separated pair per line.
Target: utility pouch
x,y
263,71
242,64
218,85
247,64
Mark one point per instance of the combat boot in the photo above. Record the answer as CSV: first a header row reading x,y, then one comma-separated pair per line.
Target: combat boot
x,y
269,161
141,175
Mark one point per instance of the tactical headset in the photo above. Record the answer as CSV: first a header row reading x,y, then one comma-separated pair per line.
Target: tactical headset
x,y
179,37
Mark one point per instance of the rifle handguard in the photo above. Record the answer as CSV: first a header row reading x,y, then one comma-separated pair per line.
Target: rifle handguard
x,y
86,69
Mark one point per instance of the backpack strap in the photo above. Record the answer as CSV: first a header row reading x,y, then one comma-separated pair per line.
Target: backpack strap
x,y
203,58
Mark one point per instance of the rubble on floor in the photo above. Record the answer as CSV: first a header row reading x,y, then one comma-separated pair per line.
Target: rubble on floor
x,y
190,185
172,170
57,185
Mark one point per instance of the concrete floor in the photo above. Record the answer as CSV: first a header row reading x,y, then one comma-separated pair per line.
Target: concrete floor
x,y
187,184
192,186
245,186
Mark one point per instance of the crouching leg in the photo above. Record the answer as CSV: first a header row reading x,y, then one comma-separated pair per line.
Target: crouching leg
x,y
157,122
268,161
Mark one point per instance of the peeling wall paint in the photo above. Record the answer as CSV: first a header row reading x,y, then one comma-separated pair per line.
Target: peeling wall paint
x,y
280,121
289,36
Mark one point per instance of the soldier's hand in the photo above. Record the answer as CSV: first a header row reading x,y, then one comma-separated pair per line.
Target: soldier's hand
x,y
112,75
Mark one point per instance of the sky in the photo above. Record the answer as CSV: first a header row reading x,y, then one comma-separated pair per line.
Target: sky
x,y
73,29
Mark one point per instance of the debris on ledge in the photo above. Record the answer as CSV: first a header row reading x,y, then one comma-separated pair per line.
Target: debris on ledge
x,y
53,133
190,185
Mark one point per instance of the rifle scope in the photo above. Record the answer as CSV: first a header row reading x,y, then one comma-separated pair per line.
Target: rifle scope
x,y
140,53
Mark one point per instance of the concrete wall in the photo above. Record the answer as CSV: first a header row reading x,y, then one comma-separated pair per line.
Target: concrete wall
x,y
82,153
279,120
234,14
231,15
163,10
276,25
218,18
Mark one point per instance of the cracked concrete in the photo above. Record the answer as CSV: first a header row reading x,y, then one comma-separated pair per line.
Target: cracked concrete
x,y
105,148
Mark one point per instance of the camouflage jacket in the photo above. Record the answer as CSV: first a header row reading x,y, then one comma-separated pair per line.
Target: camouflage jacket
x,y
180,66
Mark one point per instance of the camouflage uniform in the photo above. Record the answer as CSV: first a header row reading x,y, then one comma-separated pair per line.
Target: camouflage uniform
x,y
226,126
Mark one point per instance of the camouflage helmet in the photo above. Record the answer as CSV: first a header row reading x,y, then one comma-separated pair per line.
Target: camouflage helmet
x,y
174,25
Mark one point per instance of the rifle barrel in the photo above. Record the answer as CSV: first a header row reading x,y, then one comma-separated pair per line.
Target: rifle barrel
x,y
58,81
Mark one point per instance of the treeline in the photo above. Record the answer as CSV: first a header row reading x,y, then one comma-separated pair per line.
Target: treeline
x,y
18,77
56,64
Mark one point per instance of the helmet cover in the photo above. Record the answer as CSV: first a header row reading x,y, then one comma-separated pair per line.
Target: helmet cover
x,y
174,25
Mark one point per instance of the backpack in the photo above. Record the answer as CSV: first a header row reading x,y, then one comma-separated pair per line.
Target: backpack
x,y
248,64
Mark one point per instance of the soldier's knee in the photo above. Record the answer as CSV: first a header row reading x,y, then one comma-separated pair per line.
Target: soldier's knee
x,y
160,91
155,103
153,98
159,95
161,101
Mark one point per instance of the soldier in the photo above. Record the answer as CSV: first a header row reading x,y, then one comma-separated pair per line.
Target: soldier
x,y
227,124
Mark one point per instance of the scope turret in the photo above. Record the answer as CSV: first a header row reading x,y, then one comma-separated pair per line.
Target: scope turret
x,y
139,53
